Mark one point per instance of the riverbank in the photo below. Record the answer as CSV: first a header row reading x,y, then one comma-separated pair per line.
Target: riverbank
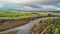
x,y
12,23
46,26
26,28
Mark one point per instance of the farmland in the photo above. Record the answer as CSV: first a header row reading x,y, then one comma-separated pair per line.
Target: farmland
x,y
20,15
13,19
16,15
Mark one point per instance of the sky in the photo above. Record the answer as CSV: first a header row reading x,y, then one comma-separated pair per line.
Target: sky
x,y
30,5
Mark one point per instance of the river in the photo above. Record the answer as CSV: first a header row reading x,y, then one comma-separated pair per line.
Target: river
x,y
26,28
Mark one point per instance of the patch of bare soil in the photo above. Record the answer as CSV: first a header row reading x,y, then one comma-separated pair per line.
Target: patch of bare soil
x,y
13,23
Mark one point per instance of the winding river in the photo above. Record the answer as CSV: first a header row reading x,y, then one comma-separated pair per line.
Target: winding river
x,y
25,29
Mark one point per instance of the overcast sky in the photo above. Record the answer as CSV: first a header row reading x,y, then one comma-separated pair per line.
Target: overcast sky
x,y
33,5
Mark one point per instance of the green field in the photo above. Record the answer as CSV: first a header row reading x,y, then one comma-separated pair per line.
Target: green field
x,y
20,15
45,26
16,15
46,13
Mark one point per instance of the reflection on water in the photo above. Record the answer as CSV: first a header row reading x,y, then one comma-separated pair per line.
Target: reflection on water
x,y
24,29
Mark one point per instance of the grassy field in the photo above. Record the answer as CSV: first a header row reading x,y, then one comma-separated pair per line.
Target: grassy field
x,y
16,15
46,13
16,19
19,15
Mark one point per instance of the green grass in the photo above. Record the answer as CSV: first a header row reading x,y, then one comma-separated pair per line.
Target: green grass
x,y
47,26
16,15
54,25
46,13
57,31
19,15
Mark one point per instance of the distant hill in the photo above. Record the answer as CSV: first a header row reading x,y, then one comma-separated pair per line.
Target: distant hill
x,y
27,11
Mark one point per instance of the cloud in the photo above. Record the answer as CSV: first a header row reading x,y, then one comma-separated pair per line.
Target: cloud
x,y
48,7
59,4
40,8
28,8
1,5
30,4
58,9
